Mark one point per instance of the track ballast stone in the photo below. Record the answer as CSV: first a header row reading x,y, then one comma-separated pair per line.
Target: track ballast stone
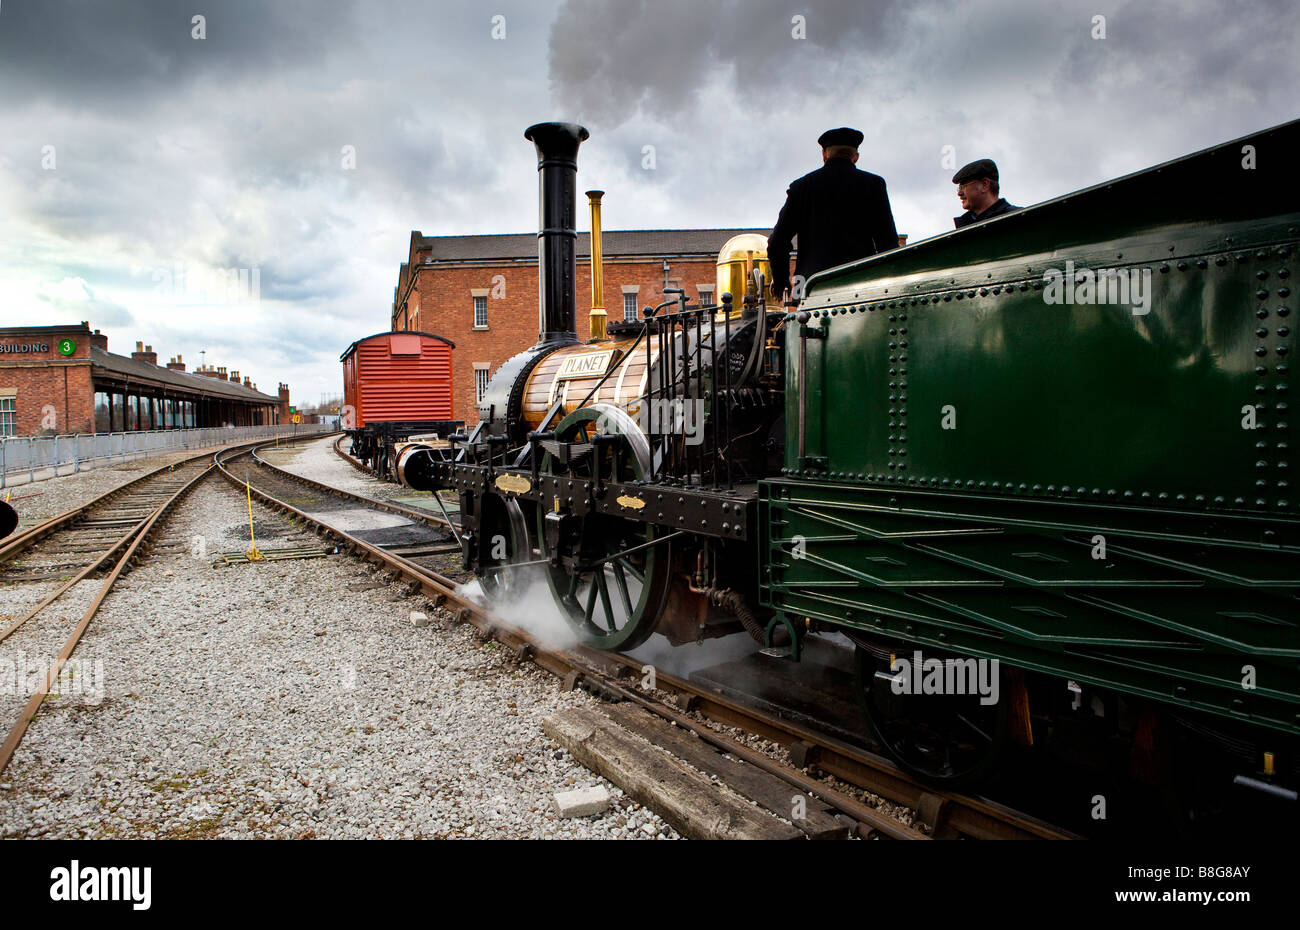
x,y
273,700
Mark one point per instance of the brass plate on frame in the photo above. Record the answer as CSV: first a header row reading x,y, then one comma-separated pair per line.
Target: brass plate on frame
x,y
516,484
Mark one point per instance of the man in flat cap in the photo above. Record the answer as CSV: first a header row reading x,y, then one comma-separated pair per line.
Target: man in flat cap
x,y
838,213
977,189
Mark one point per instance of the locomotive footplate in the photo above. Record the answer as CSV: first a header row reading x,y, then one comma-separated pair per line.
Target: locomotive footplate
x,y
721,513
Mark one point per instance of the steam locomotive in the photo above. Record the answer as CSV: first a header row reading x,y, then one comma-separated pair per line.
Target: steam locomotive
x,y
1058,439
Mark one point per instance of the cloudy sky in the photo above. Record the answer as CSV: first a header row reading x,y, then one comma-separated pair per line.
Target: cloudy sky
x,y
305,139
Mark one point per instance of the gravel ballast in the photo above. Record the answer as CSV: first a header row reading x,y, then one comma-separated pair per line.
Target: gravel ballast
x,y
274,700
48,498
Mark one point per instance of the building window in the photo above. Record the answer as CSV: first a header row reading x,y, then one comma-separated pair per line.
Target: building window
x,y
8,416
103,415
480,313
481,378
629,308
706,294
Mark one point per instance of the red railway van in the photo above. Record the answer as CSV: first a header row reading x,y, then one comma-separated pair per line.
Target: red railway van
x,y
396,385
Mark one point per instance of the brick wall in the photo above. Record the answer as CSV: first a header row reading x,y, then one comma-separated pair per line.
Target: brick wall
x,y
52,392
442,302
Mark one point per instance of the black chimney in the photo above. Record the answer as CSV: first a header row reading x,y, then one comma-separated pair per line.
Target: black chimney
x,y
557,280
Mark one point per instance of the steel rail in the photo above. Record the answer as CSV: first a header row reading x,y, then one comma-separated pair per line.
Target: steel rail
x,y
350,459
948,814
67,521
140,533
424,516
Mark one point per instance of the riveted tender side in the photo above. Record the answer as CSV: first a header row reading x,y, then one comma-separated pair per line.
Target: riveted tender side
x,y
1071,444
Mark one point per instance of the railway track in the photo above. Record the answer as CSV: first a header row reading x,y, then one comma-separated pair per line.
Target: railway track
x,y
406,531
109,534
351,460
610,675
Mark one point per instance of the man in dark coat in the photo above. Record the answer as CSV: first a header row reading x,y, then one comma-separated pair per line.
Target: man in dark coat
x,y
838,213
977,189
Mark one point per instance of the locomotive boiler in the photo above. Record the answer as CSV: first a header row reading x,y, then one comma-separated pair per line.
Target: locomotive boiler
x,y
1057,441
626,466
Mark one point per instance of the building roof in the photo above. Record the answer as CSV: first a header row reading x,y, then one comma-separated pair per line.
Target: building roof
x,y
616,243
138,370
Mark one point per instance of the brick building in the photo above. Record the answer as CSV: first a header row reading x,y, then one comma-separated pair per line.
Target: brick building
x,y
480,292
63,379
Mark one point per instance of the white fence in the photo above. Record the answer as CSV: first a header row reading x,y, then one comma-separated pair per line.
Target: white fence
x,y
48,456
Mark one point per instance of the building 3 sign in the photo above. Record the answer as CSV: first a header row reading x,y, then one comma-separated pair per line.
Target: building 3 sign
x,y
23,348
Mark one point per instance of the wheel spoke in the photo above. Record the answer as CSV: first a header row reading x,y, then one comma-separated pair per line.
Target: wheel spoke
x,y
604,599
591,604
621,580
571,597
975,728
637,574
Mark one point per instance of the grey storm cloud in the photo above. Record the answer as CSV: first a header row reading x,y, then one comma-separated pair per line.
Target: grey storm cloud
x,y
657,56
112,52
227,152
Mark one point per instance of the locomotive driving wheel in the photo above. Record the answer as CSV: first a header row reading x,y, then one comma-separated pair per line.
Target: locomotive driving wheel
x,y
503,545
608,574
948,740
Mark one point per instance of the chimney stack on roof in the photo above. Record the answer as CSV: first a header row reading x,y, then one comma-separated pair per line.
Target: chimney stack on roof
x,y
144,353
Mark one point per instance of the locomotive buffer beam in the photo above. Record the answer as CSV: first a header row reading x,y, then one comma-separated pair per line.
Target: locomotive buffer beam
x,y
727,515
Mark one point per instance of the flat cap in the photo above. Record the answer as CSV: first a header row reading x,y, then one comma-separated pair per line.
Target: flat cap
x,y
983,168
842,136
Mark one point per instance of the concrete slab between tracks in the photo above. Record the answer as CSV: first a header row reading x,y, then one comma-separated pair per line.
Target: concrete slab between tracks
x,y
643,755
358,518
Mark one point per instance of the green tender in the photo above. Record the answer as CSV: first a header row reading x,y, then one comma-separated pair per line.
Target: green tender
x,y
1099,489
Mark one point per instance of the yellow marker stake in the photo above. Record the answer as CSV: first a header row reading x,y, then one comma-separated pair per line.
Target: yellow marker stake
x,y
253,554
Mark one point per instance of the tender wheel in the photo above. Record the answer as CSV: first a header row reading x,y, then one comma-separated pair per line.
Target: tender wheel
x,y
611,597
948,740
